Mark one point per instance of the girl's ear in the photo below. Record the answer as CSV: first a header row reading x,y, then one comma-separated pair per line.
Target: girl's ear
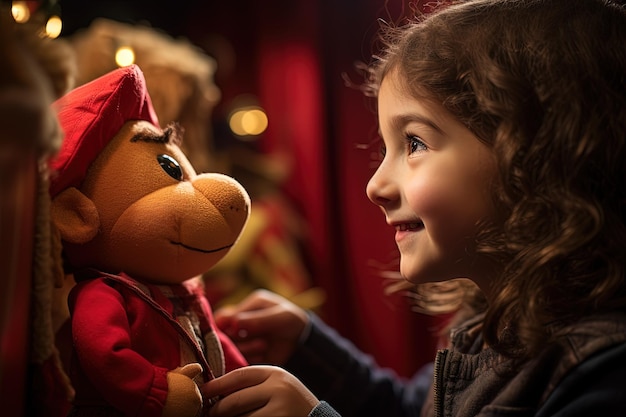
x,y
75,216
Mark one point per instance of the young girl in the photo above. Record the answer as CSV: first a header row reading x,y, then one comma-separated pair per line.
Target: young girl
x,y
504,129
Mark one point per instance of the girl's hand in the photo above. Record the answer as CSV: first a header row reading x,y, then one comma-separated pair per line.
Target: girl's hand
x,y
259,391
264,326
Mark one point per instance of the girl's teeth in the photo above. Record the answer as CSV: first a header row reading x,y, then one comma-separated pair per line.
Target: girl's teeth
x,y
408,226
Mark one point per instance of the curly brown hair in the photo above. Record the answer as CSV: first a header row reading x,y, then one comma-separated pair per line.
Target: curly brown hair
x,y
543,83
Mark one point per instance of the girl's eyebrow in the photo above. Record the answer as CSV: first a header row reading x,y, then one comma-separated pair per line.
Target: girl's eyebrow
x,y
400,121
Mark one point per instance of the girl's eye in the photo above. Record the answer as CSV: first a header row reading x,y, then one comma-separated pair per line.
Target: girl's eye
x,y
170,166
415,144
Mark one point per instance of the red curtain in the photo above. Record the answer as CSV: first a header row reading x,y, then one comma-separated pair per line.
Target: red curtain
x,y
323,124
291,54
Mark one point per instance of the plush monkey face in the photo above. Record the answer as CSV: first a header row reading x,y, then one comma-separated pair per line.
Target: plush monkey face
x,y
143,210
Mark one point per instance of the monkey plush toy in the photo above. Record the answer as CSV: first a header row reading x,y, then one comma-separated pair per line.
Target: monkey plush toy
x,y
137,225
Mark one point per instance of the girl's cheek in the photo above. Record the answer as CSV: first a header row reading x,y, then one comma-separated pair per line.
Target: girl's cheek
x,y
426,197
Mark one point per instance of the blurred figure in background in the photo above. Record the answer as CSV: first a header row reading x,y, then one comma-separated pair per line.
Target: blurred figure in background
x,y
35,71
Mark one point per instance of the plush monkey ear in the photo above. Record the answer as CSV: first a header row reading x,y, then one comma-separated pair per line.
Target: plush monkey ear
x,y
75,216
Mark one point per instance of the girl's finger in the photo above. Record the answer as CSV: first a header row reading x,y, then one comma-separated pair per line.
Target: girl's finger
x,y
235,380
239,403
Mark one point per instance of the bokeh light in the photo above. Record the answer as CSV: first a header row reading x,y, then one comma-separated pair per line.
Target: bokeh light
x,y
124,56
248,121
54,25
20,11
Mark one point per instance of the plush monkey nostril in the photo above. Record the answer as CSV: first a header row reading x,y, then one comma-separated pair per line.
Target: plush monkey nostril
x,y
227,195
232,204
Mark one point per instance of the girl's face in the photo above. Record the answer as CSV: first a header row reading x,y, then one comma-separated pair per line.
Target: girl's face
x,y
433,185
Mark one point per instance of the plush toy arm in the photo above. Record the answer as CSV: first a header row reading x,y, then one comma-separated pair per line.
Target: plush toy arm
x,y
183,396
115,344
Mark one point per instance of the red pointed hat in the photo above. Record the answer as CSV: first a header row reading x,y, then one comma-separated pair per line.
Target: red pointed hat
x,y
91,115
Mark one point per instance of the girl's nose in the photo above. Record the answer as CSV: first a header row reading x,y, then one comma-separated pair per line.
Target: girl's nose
x,y
380,189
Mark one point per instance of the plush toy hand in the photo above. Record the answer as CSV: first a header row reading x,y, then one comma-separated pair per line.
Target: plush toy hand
x,y
183,396
259,391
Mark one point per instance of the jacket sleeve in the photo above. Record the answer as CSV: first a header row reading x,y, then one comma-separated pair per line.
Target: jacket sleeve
x,y
101,336
593,388
350,381
323,409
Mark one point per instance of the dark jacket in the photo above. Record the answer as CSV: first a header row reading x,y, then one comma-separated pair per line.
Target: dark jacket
x,y
582,374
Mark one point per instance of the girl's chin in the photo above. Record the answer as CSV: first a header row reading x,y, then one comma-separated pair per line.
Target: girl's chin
x,y
412,277
415,276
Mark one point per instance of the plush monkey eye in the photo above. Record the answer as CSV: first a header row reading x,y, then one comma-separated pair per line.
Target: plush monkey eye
x,y
170,166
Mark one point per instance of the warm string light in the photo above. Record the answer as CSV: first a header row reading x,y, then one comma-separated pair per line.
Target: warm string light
x,y
248,121
245,122
20,11
54,25
124,56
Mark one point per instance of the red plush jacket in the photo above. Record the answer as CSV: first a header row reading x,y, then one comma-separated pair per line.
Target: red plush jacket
x,y
126,338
